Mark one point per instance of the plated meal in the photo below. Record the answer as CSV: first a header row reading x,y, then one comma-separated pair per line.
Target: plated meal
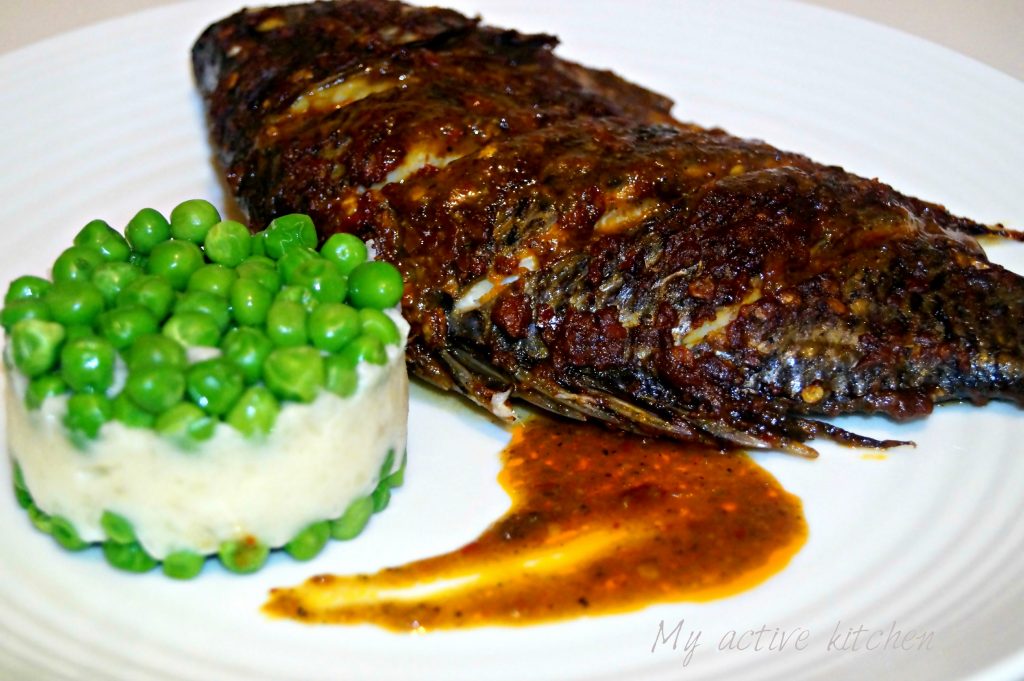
x,y
563,241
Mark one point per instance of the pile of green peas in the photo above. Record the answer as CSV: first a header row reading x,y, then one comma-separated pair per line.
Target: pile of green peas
x,y
283,320
288,320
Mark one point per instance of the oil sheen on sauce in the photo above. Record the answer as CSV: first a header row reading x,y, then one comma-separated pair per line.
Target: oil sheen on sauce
x,y
601,522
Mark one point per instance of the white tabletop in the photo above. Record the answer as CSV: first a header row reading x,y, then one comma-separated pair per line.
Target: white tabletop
x,y
987,30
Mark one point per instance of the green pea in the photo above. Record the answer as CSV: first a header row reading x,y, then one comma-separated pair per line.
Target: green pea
x,y
191,220
35,346
308,543
212,278
123,325
87,364
131,414
247,348
105,240
323,279
21,493
76,331
289,231
27,287
155,350
385,468
130,557
113,277
17,310
117,528
293,258
151,292
381,496
397,478
250,302
286,324
64,532
364,348
214,385
19,476
298,294
40,519
375,284
344,250
294,373
183,564
192,329
243,556
259,243
340,377
186,424
86,415
76,264
155,388
213,306
261,270
148,228
94,231
228,243
254,413
259,261
74,302
42,387
375,323
23,498
175,260
354,520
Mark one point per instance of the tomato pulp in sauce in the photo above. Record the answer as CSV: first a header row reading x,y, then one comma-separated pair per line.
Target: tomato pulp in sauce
x,y
601,522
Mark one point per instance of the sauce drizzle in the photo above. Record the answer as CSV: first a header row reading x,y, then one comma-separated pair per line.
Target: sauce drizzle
x,y
601,522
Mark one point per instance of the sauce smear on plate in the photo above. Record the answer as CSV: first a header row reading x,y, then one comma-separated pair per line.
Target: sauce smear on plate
x,y
601,522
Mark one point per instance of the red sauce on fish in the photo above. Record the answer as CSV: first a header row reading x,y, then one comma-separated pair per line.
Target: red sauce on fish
x,y
601,522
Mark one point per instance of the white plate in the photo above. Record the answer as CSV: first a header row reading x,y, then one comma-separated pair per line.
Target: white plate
x,y
102,121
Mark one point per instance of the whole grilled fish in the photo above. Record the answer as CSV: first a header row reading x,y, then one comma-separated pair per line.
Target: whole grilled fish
x,y
567,242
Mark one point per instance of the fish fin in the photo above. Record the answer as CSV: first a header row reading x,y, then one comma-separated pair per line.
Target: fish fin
x,y
480,378
682,426
1003,232
627,415
815,428
481,383
490,388
737,436
979,230
545,402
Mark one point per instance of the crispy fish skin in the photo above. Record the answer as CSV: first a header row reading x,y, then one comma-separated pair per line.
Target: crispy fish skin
x,y
566,241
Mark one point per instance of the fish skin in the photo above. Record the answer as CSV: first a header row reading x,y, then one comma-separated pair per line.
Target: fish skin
x,y
649,273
